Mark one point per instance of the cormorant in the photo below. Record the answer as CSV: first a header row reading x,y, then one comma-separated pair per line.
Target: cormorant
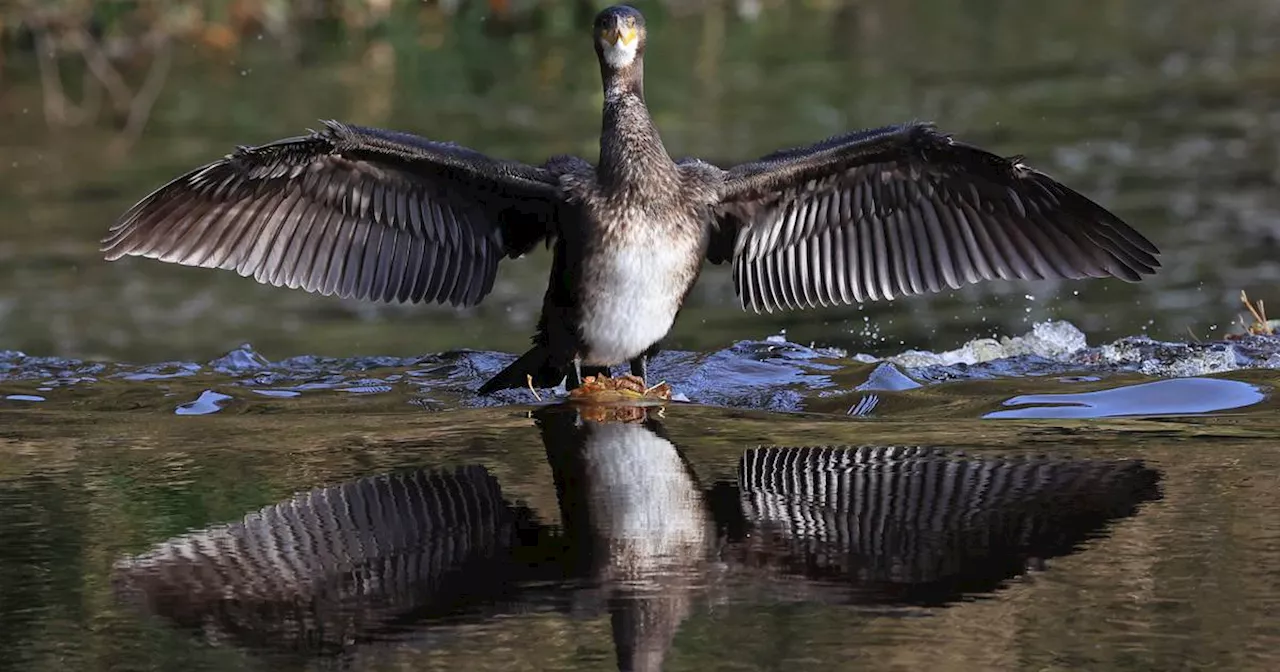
x,y
384,215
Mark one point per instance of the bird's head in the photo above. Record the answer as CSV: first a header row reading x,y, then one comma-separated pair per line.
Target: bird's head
x,y
620,36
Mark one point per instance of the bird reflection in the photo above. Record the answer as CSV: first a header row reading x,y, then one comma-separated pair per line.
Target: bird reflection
x,y
923,525
637,519
329,566
639,537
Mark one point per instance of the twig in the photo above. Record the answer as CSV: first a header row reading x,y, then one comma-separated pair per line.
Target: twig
x,y
59,111
529,379
55,99
143,102
100,66
1259,313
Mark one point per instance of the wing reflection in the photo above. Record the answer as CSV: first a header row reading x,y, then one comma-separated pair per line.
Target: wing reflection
x,y
925,525
333,565
640,539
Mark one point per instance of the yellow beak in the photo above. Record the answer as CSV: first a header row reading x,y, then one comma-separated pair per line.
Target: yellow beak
x,y
626,34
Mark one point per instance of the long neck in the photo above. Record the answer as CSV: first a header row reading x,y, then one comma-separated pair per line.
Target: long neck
x,y
630,148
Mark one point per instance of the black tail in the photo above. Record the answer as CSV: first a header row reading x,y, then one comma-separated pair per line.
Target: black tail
x,y
536,362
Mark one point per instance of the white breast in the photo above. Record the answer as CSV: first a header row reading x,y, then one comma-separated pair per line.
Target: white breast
x,y
637,288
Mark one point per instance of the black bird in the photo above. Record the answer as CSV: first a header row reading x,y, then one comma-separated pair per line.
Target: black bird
x,y
383,215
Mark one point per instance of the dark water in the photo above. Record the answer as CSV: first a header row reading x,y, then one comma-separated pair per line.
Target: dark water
x,y
885,488
1040,506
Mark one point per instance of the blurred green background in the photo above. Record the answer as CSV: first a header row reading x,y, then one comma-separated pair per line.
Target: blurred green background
x,y
1167,111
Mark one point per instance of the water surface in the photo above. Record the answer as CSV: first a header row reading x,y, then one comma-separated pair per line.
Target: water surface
x,y
1051,506
1038,476
1164,111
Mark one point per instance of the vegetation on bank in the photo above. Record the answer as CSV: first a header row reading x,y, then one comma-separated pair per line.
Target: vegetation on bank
x,y
124,26
1256,324
111,42
111,58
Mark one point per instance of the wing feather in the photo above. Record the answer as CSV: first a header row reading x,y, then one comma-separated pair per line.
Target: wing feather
x,y
349,211
905,210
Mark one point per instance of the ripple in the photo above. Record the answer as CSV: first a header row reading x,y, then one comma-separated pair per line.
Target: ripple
x,y
1180,396
24,397
771,374
208,402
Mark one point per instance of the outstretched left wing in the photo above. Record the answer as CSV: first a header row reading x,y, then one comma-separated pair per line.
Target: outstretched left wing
x,y
359,212
904,210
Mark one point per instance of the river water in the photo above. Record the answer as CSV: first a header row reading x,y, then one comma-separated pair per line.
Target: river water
x,y
1033,476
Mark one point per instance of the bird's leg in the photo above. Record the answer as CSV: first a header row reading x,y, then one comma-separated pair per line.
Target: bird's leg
x,y
574,380
640,368
640,365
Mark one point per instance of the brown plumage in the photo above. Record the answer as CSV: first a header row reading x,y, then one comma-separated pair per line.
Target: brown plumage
x,y
382,215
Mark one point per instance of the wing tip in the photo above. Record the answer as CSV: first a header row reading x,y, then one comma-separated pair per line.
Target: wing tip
x,y
112,252
331,128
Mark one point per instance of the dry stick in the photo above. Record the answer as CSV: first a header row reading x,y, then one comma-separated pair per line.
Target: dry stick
x,y
1259,313
55,100
100,66
148,94
59,111
90,98
137,106
529,380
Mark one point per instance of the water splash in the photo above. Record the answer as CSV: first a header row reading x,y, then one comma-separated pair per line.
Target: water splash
x,y
1059,348
772,374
